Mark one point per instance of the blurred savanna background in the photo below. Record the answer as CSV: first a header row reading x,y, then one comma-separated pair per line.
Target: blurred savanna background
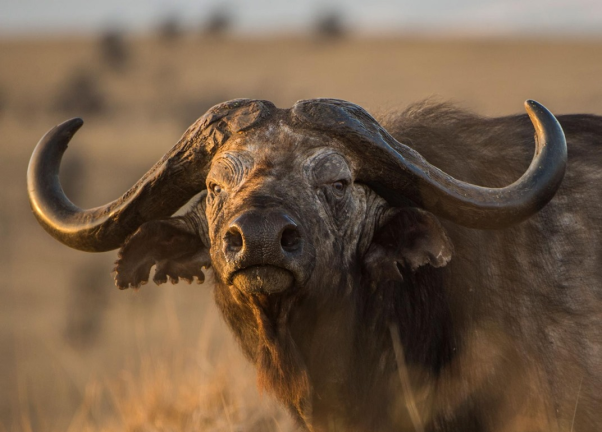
x,y
76,354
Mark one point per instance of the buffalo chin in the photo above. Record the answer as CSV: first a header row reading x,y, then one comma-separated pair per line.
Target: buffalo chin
x,y
263,279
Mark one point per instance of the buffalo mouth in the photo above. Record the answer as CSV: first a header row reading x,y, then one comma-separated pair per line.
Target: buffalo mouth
x,y
263,279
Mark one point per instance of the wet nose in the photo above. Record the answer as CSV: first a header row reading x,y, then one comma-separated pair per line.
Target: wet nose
x,y
263,237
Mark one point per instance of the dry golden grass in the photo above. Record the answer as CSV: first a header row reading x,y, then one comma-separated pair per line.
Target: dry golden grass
x,y
77,354
161,386
176,393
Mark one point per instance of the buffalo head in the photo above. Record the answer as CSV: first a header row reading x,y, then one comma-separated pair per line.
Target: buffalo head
x,y
286,195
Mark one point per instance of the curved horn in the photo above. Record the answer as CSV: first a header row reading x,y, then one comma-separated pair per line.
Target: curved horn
x,y
402,172
166,187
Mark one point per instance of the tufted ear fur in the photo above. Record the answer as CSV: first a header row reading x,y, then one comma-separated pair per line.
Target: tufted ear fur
x,y
173,245
410,238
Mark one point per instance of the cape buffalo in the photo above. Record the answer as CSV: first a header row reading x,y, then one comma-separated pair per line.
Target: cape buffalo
x,y
373,290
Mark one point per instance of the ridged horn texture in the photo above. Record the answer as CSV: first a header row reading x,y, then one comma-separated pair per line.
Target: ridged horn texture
x,y
166,187
398,172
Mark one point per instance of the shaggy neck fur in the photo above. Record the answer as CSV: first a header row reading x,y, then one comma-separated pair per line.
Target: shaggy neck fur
x,y
312,350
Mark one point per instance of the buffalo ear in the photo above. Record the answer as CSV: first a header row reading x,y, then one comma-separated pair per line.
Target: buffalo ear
x,y
171,245
409,238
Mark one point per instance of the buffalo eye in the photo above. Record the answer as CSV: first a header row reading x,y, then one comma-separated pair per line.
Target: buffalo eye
x,y
216,189
339,186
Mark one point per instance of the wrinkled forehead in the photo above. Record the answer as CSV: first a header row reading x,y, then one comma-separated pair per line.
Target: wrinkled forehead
x,y
281,145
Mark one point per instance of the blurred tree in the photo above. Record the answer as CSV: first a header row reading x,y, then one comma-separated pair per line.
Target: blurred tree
x,y
5,244
218,23
169,28
114,51
3,100
330,25
86,305
81,94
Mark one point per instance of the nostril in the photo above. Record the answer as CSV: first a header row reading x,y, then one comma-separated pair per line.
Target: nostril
x,y
290,239
233,239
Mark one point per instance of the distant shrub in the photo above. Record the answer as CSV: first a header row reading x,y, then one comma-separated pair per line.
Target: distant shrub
x,y
114,51
5,230
81,94
3,100
169,28
87,304
218,23
330,25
